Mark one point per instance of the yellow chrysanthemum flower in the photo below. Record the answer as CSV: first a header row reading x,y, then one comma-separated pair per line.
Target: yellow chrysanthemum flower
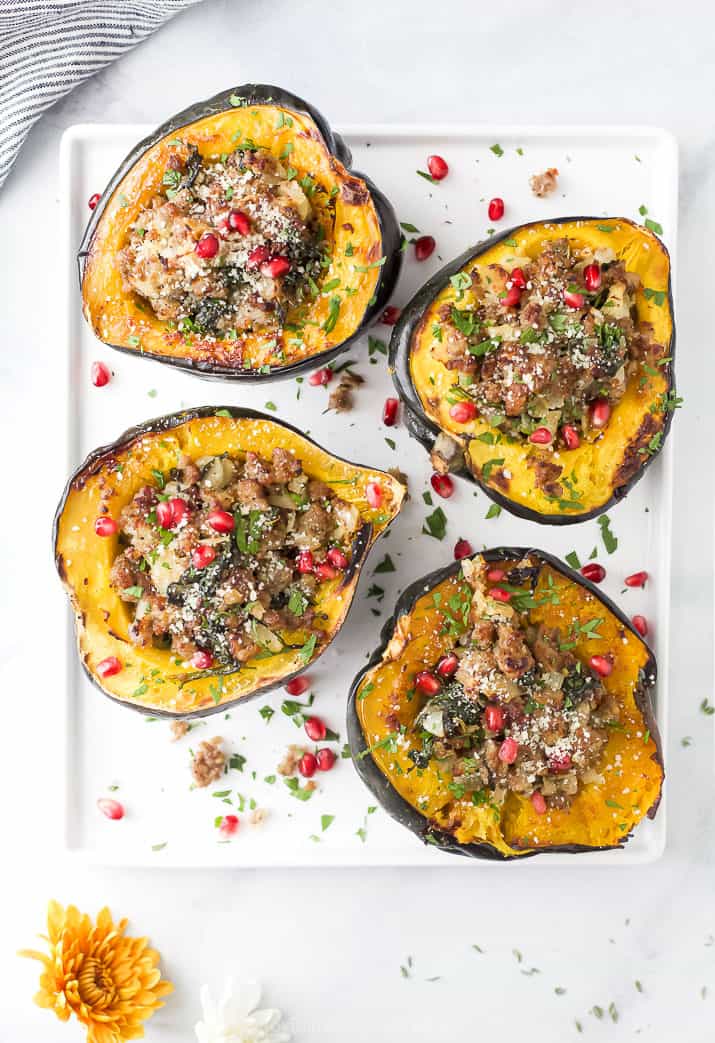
x,y
111,983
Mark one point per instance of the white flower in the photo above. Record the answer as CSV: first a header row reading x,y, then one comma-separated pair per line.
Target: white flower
x,y
234,1019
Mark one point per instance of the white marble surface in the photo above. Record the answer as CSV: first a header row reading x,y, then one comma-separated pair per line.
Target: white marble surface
x,y
329,944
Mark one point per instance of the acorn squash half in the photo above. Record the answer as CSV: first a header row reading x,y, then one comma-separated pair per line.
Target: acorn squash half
x,y
607,463
153,678
356,222
429,618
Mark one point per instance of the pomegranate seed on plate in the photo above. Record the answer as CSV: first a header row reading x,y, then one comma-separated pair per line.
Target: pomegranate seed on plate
x,y
570,437
389,412
638,579
337,558
517,278
321,377
494,718
424,247
239,222
593,571
259,255
496,209
541,436
499,594
93,200
390,315
538,803
220,521
574,300
101,374
463,412
307,765
324,570
373,494
105,526
111,808
325,759
276,267
511,298
508,751
315,729
598,412
298,685
229,825
427,683
304,562
202,660
592,276
109,666
601,664
437,167
202,555
462,549
496,575
447,665
207,246
641,625
442,485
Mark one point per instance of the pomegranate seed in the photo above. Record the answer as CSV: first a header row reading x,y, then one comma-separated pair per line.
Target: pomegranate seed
x,y
592,276
541,436
111,808
325,759
239,222
170,513
462,549
538,803
511,298
93,200
373,494
463,412
560,762
496,209
202,555
442,485
518,279
229,825
638,579
570,436
304,562
598,412
574,300
499,594
324,570
593,571
258,256
494,718
109,666
641,625
437,167
307,765
427,683
496,575
424,247
315,729
101,374
389,412
276,267
601,664
321,377
508,751
220,521
447,665
298,685
390,315
105,526
202,660
337,558
207,246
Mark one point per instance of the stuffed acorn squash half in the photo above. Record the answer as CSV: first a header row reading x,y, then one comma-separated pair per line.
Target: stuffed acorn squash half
x,y
211,555
539,364
507,713
236,241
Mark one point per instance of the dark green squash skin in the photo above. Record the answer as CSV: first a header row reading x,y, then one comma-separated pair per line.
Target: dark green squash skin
x,y
262,94
426,432
381,787
99,457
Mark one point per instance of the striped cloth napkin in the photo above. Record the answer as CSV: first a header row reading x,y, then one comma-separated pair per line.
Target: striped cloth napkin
x,y
47,48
